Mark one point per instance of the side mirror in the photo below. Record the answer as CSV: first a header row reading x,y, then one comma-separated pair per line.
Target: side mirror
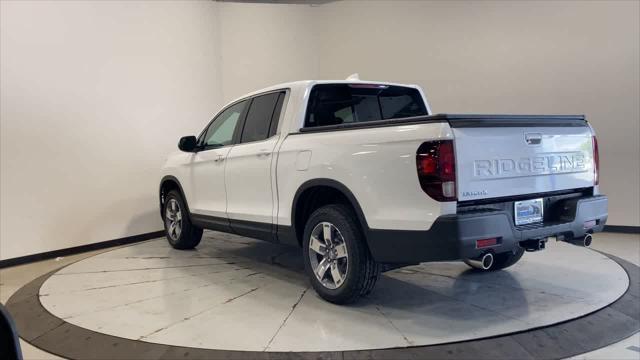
x,y
188,143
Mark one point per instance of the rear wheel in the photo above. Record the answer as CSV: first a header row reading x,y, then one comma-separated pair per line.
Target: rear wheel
x,y
180,233
337,259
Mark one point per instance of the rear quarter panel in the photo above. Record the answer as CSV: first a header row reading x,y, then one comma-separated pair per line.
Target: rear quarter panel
x,y
378,165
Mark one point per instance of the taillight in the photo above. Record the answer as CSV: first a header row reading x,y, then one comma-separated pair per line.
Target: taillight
x,y
436,165
596,161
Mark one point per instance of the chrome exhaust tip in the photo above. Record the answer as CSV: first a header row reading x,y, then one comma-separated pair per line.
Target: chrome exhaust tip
x,y
581,241
483,262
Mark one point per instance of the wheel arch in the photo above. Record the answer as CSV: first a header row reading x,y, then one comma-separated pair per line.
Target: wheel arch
x,y
168,183
299,214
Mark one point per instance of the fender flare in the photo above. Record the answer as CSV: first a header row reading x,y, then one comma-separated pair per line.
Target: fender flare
x,y
175,180
337,186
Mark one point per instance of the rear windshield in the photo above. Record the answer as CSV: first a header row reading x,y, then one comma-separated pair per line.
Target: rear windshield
x,y
334,104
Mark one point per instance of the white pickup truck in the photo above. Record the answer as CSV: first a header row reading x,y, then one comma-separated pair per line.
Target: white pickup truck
x,y
365,179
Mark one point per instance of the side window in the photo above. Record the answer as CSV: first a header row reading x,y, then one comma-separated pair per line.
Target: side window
x,y
220,131
258,123
276,115
345,114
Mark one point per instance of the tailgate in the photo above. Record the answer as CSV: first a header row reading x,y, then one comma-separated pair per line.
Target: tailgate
x,y
518,157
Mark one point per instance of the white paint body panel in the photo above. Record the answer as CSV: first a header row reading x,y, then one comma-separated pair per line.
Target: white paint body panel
x,y
248,181
496,162
377,165
370,162
206,179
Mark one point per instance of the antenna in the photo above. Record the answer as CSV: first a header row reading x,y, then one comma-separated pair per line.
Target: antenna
x,y
354,77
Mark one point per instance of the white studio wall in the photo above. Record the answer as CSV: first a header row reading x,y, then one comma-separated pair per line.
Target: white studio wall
x,y
262,45
95,94
531,57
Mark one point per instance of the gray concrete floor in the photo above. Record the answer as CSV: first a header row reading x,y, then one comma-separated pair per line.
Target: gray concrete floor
x,y
622,245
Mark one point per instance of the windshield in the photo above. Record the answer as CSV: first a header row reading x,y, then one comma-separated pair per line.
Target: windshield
x,y
334,104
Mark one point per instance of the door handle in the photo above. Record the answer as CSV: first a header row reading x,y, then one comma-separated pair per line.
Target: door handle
x,y
264,152
219,158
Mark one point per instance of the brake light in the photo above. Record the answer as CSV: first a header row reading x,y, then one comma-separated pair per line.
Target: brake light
x,y
436,164
596,161
368,86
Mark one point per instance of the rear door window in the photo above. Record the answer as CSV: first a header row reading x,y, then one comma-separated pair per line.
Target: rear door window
x,y
276,114
334,104
262,113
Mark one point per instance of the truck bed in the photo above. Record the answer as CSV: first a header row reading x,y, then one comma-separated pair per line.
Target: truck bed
x,y
465,120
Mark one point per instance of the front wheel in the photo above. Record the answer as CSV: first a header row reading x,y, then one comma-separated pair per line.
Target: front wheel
x,y
181,234
336,257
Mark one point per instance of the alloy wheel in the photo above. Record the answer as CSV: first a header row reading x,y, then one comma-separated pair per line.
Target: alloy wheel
x,y
173,219
328,255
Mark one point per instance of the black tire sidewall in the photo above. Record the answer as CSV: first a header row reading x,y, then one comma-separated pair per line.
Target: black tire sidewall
x,y
344,220
185,241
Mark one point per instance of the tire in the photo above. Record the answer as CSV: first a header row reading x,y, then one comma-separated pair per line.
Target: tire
x,y
348,255
503,260
180,233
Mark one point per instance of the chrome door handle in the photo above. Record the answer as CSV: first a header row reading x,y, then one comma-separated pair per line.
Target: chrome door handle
x,y
219,158
264,152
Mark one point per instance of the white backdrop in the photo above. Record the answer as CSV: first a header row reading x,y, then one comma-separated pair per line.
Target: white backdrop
x,y
94,94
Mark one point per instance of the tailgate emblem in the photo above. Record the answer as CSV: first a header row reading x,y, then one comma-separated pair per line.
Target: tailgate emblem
x,y
533,138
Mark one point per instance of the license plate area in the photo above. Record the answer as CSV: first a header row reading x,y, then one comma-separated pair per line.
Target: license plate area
x,y
528,211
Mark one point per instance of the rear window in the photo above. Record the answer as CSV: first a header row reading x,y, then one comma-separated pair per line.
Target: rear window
x,y
334,104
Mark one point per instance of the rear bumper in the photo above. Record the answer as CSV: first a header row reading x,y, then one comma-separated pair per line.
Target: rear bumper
x,y
453,237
